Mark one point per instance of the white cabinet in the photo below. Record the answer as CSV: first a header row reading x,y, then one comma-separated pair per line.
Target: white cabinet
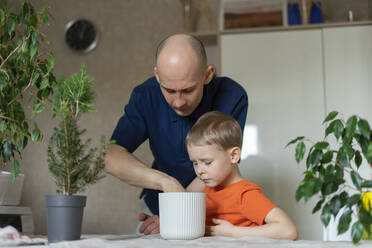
x,y
293,78
348,66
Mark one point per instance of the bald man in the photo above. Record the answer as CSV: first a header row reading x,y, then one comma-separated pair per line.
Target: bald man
x,y
163,109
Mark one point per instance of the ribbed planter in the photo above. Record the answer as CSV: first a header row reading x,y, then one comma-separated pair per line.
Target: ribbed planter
x,y
64,217
182,215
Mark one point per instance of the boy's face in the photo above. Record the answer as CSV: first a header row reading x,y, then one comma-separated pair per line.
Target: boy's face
x,y
212,164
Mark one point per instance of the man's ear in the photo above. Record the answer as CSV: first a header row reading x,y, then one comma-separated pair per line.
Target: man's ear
x,y
209,74
156,73
235,154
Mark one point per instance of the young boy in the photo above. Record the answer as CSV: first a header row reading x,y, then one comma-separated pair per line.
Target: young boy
x,y
235,207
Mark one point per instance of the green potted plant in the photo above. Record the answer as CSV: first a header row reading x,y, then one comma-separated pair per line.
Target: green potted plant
x,y
332,173
71,162
26,82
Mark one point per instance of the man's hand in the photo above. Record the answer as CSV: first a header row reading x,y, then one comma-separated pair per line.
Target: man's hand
x,y
222,228
172,185
150,224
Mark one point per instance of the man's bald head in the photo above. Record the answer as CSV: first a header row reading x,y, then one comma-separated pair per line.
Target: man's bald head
x,y
181,70
183,41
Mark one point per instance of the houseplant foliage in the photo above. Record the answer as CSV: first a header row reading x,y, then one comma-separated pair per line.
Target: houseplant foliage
x,y
26,77
332,173
71,162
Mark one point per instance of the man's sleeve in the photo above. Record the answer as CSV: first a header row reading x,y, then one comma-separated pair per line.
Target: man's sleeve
x,y
131,130
239,112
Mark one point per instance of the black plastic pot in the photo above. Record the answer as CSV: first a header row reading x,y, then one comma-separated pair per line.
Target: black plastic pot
x,y
64,217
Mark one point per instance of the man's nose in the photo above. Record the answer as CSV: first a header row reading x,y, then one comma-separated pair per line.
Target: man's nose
x,y
179,100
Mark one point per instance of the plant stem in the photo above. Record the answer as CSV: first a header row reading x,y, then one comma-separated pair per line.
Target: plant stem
x,y
29,83
68,151
12,52
6,118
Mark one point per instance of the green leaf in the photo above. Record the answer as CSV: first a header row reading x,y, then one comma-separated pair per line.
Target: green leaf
x,y
356,232
33,51
321,145
2,126
335,205
44,83
358,159
295,140
336,127
15,170
369,151
2,17
363,143
354,199
35,135
300,151
344,222
38,108
364,128
307,188
7,151
330,116
10,26
51,62
315,157
367,184
344,196
2,84
365,218
350,128
327,157
332,179
329,188
357,180
24,11
45,17
33,38
342,157
326,214
34,78
24,48
349,150
318,206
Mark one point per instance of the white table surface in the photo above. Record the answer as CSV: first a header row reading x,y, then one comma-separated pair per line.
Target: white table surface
x,y
156,241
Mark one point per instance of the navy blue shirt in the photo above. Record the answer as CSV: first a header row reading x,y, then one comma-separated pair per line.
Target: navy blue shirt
x,y
148,116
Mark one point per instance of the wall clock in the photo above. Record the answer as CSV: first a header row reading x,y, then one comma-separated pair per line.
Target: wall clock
x,y
81,35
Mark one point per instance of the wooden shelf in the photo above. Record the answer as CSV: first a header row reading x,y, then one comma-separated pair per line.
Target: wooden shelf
x,y
213,35
296,27
208,38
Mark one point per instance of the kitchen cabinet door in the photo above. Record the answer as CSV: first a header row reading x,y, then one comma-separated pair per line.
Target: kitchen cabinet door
x,y
282,73
348,84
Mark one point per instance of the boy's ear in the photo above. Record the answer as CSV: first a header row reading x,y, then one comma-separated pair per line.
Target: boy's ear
x,y
235,154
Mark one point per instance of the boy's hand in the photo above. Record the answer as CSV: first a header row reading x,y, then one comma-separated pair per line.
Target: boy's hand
x,y
222,228
150,224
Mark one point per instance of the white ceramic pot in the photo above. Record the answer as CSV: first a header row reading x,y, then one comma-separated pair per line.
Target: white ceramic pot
x,y
182,215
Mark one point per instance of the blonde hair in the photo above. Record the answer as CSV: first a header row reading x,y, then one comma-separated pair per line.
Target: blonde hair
x,y
215,128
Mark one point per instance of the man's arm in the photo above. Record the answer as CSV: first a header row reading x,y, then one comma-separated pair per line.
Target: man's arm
x,y
123,165
278,226
196,185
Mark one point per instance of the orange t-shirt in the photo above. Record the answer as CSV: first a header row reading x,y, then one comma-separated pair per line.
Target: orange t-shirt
x,y
242,204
